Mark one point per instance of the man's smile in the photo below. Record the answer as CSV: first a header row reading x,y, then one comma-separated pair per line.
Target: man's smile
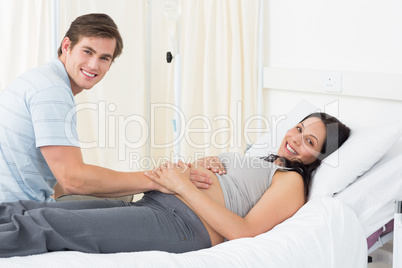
x,y
91,75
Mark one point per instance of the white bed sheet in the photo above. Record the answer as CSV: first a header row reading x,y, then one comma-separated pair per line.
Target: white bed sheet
x,y
372,195
323,233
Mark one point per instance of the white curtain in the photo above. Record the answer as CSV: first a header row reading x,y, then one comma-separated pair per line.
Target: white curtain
x,y
218,97
26,36
117,124
220,69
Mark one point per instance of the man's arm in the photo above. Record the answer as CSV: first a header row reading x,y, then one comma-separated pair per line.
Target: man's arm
x,y
76,177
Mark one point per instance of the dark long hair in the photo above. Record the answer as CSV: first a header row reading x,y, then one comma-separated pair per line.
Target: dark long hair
x,y
337,134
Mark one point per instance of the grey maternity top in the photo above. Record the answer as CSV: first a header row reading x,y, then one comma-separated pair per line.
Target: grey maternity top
x,y
245,181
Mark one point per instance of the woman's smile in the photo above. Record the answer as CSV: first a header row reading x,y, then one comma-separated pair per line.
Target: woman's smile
x,y
290,149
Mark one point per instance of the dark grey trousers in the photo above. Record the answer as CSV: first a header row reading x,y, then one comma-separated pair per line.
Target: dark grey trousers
x,y
156,222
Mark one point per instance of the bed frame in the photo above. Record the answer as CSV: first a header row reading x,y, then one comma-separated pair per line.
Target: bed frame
x,y
385,235
397,250
396,235
389,232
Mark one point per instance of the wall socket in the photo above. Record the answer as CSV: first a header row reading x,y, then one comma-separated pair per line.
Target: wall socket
x,y
333,82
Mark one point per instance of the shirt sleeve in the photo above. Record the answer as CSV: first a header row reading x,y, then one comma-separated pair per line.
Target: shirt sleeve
x,y
53,116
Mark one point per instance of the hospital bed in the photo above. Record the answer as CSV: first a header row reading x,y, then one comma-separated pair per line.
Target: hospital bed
x,y
351,205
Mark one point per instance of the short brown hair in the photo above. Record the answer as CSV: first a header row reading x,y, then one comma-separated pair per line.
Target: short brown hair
x,y
94,25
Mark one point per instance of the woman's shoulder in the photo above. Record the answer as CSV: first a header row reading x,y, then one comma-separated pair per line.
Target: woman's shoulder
x,y
285,176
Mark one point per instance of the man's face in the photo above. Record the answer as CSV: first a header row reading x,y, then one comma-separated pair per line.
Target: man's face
x,y
88,61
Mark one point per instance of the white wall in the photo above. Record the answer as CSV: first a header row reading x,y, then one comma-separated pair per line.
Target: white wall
x,y
359,40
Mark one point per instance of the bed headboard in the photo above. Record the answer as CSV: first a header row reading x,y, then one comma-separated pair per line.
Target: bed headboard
x,y
361,98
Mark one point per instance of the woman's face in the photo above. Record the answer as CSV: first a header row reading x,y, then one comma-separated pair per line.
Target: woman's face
x,y
304,141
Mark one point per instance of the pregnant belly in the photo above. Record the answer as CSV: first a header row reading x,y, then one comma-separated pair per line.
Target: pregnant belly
x,y
215,193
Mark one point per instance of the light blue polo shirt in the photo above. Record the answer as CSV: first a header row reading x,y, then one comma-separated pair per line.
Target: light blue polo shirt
x,y
37,109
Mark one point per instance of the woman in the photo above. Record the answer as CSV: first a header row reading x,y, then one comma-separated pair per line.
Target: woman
x,y
258,194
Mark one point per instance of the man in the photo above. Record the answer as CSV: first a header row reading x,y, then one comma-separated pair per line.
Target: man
x,y
38,139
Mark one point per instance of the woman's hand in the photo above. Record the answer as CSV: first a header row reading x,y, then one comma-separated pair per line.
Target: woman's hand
x,y
212,163
174,177
199,178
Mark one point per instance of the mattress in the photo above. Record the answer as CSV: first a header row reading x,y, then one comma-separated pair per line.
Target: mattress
x,y
323,233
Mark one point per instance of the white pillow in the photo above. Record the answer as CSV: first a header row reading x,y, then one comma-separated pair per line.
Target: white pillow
x,y
371,196
269,142
358,154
